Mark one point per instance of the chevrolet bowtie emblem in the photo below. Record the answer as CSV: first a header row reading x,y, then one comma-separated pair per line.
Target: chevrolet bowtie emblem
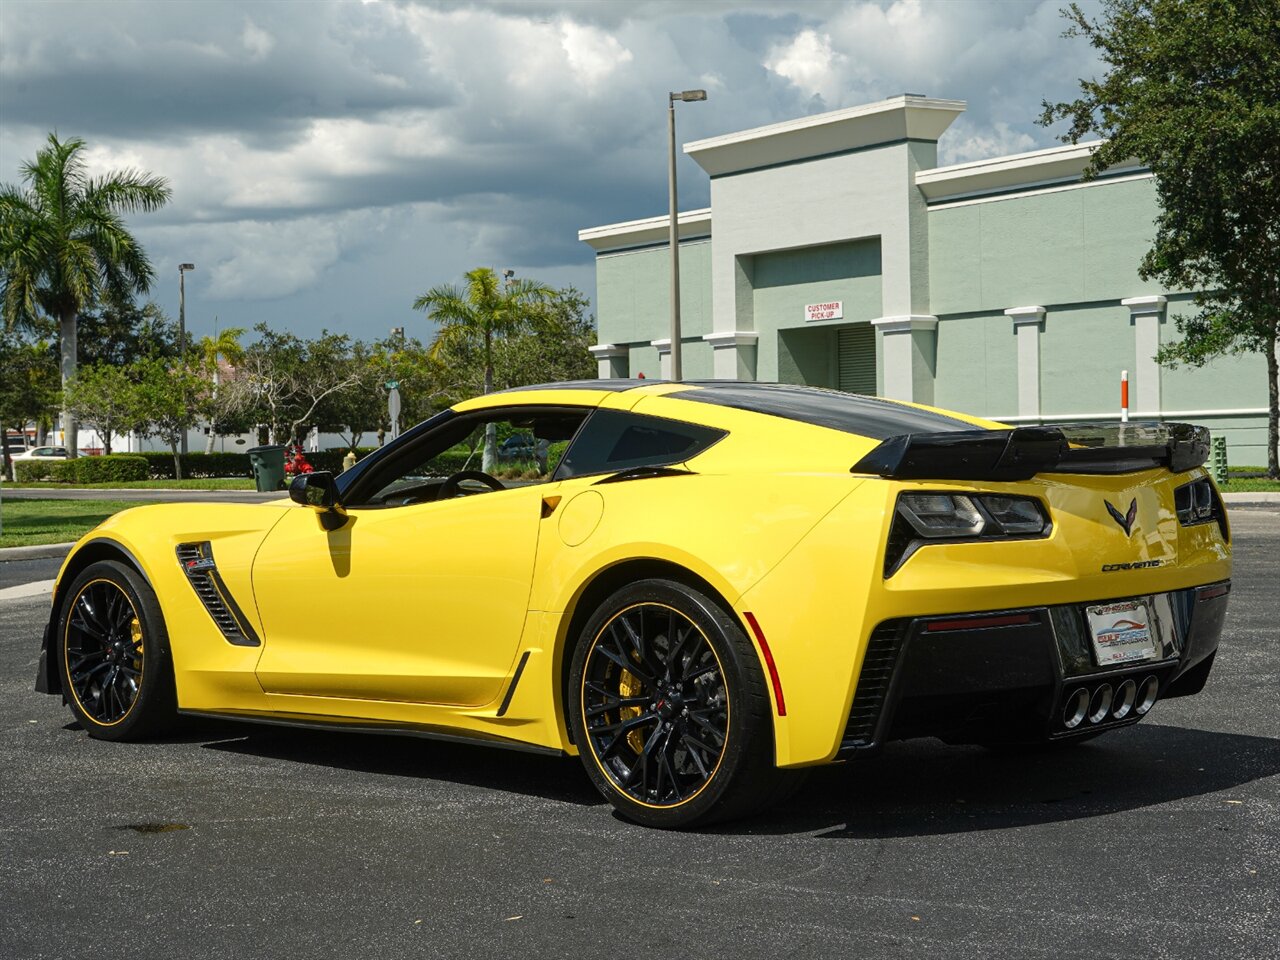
x,y
1124,519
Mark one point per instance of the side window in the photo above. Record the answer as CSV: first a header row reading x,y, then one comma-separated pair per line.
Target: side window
x,y
474,454
614,440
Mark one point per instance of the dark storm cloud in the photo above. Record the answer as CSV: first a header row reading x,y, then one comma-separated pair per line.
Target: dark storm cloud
x,y
263,70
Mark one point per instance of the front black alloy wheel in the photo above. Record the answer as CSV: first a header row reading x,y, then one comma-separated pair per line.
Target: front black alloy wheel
x,y
669,709
113,654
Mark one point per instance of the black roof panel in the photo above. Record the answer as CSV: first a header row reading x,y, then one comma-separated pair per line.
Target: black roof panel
x,y
848,412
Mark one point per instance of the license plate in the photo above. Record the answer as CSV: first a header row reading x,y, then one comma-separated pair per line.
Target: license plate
x,y
1121,633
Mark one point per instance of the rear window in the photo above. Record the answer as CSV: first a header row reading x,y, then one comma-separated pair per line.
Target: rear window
x,y
850,413
613,440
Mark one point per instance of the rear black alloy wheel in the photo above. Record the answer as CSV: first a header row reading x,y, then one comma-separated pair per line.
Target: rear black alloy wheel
x,y
654,705
669,708
112,654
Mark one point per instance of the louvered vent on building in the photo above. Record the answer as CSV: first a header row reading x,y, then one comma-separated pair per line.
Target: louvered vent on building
x,y
856,357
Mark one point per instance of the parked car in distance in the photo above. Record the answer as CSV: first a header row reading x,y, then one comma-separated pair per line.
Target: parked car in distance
x,y
518,446
42,453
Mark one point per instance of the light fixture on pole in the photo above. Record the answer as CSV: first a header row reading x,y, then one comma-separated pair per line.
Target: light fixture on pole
x,y
182,325
687,96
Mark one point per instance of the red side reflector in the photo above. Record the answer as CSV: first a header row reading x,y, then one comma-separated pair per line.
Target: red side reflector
x,y
1217,590
979,623
768,662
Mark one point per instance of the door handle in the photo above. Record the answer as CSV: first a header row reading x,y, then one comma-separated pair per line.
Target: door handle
x,y
549,505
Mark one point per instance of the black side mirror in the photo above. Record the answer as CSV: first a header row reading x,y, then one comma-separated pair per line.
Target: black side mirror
x,y
320,492
314,490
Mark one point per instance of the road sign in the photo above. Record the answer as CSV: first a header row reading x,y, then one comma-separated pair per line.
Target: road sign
x,y
392,384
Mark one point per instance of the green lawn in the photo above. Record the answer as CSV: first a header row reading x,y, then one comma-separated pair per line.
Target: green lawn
x,y
31,522
1244,479
1251,485
222,483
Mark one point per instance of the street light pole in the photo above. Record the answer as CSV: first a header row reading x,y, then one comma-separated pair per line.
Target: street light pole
x,y
182,326
687,96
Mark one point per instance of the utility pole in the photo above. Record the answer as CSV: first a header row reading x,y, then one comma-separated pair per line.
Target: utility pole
x,y
686,96
182,327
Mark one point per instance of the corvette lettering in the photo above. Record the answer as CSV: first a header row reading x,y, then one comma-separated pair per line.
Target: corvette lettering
x,y
1136,565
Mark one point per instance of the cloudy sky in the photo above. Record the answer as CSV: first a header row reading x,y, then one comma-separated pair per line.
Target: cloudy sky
x,y
332,160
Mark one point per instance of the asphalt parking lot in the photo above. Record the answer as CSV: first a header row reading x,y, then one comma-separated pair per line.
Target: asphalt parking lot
x,y
1161,840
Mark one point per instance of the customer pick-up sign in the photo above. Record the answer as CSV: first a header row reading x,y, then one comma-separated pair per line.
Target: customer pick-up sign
x,y
833,310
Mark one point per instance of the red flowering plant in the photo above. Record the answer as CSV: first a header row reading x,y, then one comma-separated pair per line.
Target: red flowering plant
x,y
295,463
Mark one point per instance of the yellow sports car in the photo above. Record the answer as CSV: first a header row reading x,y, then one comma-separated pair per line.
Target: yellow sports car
x,y
699,588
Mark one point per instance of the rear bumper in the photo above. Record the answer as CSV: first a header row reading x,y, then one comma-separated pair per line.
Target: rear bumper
x,y
1010,675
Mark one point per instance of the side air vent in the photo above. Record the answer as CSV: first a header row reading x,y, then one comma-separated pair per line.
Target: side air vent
x,y
196,560
873,686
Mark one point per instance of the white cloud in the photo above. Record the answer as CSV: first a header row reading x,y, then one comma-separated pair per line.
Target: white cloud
x,y
810,63
964,141
256,41
592,54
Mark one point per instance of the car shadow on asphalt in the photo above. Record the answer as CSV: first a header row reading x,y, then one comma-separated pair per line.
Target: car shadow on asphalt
x,y
559,779
925,788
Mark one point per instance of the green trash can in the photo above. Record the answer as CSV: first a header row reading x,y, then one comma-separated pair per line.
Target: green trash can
x,y
268,466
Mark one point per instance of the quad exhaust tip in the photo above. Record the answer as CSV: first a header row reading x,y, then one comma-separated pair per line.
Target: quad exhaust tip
x,y
1104,703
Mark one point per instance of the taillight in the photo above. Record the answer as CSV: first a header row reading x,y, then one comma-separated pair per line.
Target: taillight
x,y
940,517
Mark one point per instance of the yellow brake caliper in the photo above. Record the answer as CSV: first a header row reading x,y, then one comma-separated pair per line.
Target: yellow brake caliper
x,y
629,686
135,634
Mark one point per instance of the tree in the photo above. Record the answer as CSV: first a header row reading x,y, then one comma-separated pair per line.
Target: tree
x,y
166,392
28,387
105,397
362,407
291,377
121,333
484,310
219,408
64,245
553,348
1192,90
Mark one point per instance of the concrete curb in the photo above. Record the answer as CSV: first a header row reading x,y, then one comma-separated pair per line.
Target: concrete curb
x,y
45,551
1247,499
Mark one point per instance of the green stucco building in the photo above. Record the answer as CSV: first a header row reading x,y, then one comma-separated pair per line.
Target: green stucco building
x,y
836,252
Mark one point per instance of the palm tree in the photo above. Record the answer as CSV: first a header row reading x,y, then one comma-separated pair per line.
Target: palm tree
x,y
224,344
485,309
64,245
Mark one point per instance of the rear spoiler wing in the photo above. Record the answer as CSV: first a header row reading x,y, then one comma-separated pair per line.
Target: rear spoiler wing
x,y
1022,452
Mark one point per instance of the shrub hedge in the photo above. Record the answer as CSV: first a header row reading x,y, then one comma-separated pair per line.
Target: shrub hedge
x,y
116,468
30,471
208,465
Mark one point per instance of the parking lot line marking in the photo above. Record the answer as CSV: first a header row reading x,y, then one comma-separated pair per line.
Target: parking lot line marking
x,y
22,590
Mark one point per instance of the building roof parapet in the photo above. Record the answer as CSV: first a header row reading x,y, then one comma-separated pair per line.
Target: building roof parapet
x,y
997,174
732,338
906,323
1032,314
1144,305
690,224
907,117
606,351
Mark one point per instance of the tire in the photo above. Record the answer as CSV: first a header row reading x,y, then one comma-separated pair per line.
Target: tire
x,y
670,711
113,655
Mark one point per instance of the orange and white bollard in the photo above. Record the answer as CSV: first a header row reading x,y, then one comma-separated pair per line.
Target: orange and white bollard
x,y
1124,396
